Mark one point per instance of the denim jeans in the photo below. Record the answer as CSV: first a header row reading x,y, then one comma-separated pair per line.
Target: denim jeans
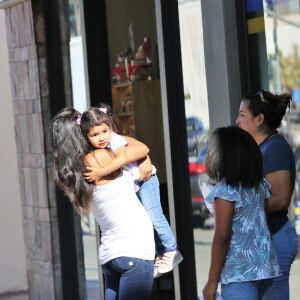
x,y
128,278
248,290
149,195
285,243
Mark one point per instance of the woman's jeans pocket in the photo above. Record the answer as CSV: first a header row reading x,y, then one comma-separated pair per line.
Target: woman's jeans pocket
x,y
121,265
128,278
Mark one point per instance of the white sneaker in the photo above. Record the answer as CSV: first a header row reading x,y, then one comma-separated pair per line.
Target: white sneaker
x,y
168,261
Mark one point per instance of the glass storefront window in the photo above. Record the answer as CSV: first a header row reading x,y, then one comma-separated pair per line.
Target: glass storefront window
x,y
90,233
136,98
80,93
74,18
89,228
197,125
282,27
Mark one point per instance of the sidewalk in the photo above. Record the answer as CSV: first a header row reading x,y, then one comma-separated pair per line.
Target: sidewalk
x,y
203,239
295,280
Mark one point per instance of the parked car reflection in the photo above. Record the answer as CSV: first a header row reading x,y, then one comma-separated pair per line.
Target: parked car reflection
x,y
197,176
290,129
196,135
296,195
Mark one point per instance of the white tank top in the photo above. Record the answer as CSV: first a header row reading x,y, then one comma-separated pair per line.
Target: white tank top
x,y
126,228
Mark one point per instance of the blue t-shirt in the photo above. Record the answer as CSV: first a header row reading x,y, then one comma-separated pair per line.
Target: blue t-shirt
x,y
250,255
278,155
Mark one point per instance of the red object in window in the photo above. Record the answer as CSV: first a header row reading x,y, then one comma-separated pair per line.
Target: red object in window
x,y
201,199
196,168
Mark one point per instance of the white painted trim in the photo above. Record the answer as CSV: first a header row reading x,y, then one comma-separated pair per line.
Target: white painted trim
x,y
8,3
86,73
166,129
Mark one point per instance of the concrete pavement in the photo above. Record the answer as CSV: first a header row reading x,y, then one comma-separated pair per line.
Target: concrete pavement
x,y
203,238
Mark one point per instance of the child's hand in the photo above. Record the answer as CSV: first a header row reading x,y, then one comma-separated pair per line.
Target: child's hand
x,y
209,291
92,175
145,167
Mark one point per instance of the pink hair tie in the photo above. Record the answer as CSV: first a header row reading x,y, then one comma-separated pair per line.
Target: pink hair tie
x,y
103,109
78,119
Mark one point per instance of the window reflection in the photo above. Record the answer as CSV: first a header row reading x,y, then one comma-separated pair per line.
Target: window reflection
x,y
80,102
193,64
197,122
74,18
282,28
90,247
283,45
79,90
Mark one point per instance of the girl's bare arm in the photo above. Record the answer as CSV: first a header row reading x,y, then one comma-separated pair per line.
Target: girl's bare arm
x,y
102,157
134,151
223,226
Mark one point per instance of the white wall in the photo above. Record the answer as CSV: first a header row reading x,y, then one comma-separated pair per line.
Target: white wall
x,y
12,247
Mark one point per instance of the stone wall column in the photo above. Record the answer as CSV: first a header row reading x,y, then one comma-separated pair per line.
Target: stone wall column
x,y
30,95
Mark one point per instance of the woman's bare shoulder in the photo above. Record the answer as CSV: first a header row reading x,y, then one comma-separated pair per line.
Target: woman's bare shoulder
x,y
99,156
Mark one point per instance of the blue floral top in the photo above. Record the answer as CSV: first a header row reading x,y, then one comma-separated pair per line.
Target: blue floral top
x,y
251,255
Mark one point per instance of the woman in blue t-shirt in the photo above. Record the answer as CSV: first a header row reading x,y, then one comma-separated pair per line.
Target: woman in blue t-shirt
x,y
261,114
243,260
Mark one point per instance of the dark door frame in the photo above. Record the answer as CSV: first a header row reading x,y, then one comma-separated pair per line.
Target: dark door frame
x,y
99,77
179,151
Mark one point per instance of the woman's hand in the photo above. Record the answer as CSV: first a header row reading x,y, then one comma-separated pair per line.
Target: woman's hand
x,y
209,290
145,167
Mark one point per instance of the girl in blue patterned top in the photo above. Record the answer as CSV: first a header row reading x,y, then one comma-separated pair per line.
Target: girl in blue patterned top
x,y
242,257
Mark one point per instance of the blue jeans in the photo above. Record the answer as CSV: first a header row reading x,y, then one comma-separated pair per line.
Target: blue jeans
x,y
285,243
248,290
149,195
128,278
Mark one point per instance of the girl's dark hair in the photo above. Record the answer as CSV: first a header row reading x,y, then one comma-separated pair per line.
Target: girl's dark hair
x,y
69,148
233,155
272,106
96,116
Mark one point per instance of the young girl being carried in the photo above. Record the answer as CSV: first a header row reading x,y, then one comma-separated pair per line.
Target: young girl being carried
x,y
98,128
243,260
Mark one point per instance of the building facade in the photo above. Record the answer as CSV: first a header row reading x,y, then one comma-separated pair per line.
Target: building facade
x,y
63,53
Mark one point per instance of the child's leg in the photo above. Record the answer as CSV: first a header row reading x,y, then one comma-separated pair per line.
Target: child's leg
x,y
166,247
150,197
